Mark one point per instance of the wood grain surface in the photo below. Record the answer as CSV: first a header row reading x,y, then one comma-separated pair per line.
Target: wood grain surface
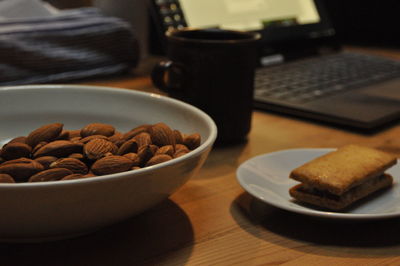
x,y
211,220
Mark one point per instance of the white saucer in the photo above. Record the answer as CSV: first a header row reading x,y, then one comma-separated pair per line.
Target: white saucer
x,y
266,177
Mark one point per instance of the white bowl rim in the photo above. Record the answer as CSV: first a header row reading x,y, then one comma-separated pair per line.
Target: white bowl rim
x,y
127,174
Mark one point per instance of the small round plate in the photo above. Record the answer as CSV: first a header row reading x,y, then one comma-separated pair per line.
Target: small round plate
x,y
266,177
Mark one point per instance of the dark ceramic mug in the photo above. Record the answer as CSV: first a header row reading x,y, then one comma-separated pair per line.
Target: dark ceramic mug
x,y
214,70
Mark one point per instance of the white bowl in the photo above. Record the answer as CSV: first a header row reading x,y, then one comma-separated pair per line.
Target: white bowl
x,y
61,209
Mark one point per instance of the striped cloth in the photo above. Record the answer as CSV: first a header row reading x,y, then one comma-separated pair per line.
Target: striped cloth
x,y
74,44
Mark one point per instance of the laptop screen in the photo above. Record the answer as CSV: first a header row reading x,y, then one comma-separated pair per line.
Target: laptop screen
x,y
276,20
281,23
249,14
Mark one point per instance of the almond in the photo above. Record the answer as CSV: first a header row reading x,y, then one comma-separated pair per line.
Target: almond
x,y
46,161
50,175
78,156
127,147
160,158
133,157
38,146
143,139
178,136
90,174
135,131
117,138
181,147
72,177
15,150
74,133
146,152
63,135
167,149
111,165
75,165
44,133
76,139
180,150
162,135
97,129
192,141
58,148
6,178
21,169
97,148
92,137
21,139
19,160
179,153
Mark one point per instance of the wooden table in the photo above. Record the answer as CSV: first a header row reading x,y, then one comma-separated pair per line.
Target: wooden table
x,y
211,220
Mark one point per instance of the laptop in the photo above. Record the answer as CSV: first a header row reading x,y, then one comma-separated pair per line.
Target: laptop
x,y
303,70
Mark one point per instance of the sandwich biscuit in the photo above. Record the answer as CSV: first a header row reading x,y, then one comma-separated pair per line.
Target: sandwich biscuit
x,y
339,178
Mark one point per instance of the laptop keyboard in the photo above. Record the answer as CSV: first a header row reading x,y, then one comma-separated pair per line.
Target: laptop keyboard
x,y
310,79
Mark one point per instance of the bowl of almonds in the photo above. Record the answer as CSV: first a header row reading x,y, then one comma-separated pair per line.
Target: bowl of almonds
x,y
76,158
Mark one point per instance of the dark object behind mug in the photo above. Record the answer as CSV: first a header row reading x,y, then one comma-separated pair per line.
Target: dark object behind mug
x,y
213,70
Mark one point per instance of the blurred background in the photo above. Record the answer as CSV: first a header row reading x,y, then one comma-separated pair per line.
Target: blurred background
x,y
363,22
128,35
366,22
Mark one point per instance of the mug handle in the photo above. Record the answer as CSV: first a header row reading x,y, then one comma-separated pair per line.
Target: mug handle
x,y
164,68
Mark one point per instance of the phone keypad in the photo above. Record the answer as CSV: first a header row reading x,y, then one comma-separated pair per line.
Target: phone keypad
x,y
171,14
